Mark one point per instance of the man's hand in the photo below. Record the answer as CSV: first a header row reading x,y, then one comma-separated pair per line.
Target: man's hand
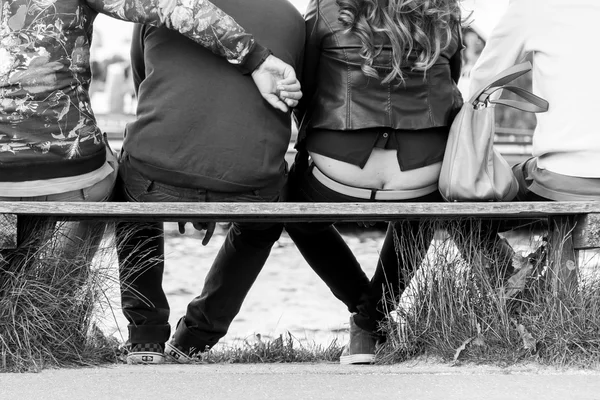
x,y
200,226
276,81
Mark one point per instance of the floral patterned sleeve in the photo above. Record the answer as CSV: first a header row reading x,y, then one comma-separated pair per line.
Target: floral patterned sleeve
x,y
200,20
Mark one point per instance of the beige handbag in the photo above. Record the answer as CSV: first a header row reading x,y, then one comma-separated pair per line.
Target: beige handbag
x,y
472,169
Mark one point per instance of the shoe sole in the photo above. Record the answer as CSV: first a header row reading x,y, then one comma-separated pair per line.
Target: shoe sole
x,y
357,359
145,357
173,353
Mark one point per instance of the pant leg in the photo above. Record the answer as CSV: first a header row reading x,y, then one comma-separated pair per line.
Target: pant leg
x,y
322,246
327,253
404,248
140,250
524,180
234,271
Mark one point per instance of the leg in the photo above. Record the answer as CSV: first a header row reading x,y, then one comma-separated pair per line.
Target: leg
x,y
404,248
141,265
236,267
329,256
76,242
321,244
140,250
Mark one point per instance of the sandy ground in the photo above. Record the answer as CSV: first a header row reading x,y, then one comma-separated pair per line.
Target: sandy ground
x,y
287,296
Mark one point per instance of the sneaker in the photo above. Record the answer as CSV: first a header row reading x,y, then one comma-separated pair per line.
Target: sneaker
x,y
146,353
361,346
177,353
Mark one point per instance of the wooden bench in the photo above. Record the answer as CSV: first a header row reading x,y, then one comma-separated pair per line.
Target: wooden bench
x,y
572,226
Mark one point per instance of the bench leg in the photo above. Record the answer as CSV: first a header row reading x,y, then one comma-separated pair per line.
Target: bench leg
x,y
563,257
8,231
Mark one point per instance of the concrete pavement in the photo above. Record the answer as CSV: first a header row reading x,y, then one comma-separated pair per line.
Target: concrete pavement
x,y
305,381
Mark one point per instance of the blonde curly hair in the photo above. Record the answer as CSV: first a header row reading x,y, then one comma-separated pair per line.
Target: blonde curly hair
x,y
418,31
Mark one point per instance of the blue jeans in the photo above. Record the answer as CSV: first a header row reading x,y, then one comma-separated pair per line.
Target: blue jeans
x,y
233,272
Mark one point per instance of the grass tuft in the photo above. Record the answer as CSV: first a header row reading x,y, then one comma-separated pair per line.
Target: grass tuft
x,y
48,297
462,309
283,349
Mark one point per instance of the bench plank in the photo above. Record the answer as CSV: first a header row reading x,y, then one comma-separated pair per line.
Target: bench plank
x,y
293,211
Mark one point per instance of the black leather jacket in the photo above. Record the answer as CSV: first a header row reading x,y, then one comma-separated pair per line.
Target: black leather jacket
x,y
339,96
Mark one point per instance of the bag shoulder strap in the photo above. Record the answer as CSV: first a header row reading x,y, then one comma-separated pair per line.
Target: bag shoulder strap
x,y
532,103
503,78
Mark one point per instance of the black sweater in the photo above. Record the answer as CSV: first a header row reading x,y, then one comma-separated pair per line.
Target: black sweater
x,y
201,123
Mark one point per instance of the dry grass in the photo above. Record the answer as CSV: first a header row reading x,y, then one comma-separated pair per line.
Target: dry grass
x,y
457,308
48,297
463,311
282,349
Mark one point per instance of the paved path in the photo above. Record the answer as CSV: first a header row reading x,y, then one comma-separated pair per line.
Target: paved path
x,y
303,381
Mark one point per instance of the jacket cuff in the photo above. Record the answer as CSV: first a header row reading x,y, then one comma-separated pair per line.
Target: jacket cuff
x,y
257,55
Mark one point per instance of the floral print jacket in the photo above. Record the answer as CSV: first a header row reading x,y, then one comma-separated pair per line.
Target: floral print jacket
x,y
47,127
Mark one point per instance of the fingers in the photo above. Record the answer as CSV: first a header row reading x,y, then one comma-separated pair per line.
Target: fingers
x,y
286,94
288,72
290,103
181,227
288,91
276,102
210,229
291,84
276,81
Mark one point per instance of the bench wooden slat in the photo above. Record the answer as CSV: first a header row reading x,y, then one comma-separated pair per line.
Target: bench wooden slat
x,y
293,211
581,220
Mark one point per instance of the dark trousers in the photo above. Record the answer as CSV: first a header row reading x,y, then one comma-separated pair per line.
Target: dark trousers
x,y
405,244
404,247
233,272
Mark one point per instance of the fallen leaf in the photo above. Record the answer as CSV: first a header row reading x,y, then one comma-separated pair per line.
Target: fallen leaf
x,y
461,348
529,343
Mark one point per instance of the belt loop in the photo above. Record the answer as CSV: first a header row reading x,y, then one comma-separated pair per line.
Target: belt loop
x,y
373,194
